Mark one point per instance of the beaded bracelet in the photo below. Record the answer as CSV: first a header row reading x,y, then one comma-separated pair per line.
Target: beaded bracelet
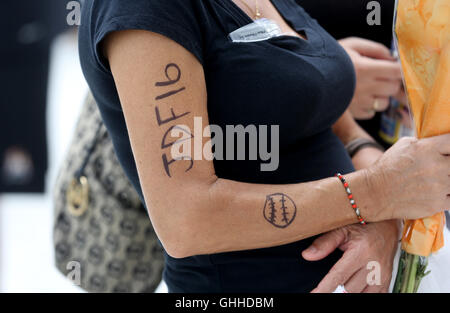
x,y
351,198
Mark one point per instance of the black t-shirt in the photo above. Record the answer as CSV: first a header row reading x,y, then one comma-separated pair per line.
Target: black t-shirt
x,y
303,86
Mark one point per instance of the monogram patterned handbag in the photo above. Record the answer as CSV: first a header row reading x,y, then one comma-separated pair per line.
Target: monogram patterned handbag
x,y
99,221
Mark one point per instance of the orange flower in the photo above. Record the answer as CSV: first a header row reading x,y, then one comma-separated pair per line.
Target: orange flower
x,y
423,33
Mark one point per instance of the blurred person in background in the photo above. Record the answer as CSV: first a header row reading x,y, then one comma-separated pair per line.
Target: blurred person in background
x,y
27,29
380,102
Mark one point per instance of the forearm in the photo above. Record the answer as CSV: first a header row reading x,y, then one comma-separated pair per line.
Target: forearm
x,y
232,216
347,129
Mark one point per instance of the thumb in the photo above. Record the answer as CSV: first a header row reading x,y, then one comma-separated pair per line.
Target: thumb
x,y
324,245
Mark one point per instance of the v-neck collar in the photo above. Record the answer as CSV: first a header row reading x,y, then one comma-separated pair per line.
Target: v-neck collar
x,y
295,17
282,6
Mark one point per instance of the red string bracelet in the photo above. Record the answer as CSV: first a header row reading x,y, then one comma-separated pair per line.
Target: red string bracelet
x,y
351,198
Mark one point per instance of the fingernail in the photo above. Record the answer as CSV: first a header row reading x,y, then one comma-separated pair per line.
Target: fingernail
x,y
311,249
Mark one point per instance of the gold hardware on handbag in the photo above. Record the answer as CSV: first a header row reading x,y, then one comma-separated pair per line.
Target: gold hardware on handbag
x,y
78,196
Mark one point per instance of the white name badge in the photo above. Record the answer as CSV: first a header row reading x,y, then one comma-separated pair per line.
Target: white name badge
x,y
259,30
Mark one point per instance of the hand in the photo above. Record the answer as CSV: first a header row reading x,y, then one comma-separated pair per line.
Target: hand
x,y
361,245
412,179
378,76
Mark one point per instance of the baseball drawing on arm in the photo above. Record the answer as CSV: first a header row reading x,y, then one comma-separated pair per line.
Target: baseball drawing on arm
x,y
279,210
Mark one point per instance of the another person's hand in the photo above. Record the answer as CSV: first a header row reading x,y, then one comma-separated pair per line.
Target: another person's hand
x,y
361,245
378,76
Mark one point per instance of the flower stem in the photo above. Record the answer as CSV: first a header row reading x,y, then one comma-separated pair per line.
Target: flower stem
x,y
400,273
408,263
411,270
412,275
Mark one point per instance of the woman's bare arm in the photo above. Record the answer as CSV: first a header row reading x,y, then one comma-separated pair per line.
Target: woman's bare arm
x,y
348,130
162,85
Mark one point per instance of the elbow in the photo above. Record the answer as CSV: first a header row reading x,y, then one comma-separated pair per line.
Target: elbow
x,y
179,243
188,229
179,252
184,245
187,236
176,252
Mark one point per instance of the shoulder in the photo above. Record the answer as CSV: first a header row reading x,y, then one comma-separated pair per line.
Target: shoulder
x,y
172,13
179,20
167,9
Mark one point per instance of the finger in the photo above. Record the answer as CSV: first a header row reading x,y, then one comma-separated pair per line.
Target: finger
x,y
362,114
339,273
442,143
445,140
370,103
363,108
380,104
406,119
401,96
370,48
385,88
324,245
376,289
357,283
382,69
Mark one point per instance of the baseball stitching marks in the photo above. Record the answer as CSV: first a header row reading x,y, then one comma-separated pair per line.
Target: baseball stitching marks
x,y
279,210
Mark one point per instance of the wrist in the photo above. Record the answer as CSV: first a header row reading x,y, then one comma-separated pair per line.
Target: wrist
x,y
358,144
366,189
378,186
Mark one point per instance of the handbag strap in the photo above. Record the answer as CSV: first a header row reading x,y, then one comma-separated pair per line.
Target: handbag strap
x,y
80,172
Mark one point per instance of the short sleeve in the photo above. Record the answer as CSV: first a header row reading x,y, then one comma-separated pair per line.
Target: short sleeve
x,y
175,19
